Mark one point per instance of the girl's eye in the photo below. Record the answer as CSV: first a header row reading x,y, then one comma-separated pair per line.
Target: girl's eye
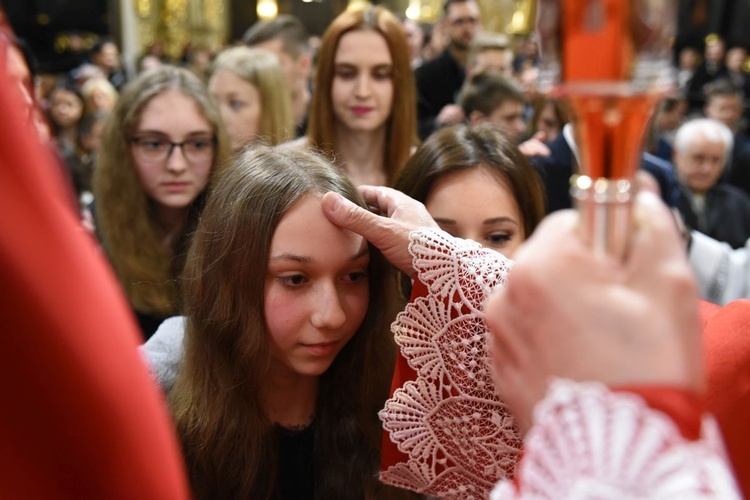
x,y
384,74
236,105
199,144
356,277
153,144
499,238
346,74
293,280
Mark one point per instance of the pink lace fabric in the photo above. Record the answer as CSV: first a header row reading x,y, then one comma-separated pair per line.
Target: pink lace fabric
x,y
591,443
459,436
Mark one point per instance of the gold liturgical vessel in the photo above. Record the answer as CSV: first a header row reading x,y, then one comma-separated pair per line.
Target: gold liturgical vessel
x,y
611,60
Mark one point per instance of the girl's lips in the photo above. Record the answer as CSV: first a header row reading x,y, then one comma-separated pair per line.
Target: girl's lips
x,y
322,350
361,110
175,186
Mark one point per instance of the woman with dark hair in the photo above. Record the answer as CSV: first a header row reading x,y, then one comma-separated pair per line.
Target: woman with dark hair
x,y
161,145
363,112
476,185
548,116
66,109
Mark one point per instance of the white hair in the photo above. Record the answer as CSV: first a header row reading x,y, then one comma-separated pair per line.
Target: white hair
x,y
711,130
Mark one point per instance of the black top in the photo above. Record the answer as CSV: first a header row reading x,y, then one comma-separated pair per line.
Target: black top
x,y
726,216
438,81
296,478
148,322
737,172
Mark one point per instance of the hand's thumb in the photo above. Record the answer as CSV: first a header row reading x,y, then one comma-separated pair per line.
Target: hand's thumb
x,y
347,215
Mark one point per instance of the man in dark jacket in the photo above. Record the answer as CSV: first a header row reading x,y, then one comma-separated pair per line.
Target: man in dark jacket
x,y
557,168
719,210
441,78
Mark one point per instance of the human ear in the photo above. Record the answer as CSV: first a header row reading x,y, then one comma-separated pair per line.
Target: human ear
x,y
304,64
476,117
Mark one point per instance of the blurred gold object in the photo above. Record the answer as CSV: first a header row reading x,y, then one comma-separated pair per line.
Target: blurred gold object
x,y
523,18
267,9
496,14
358,4
175,29
175,23
143,8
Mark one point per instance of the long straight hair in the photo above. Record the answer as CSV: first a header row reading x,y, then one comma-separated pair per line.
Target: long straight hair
x,y
263,71
227,437
401,134
464,147
145,267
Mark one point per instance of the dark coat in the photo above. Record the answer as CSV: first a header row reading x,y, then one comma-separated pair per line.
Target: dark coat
x,y
726,217
557,169
438,82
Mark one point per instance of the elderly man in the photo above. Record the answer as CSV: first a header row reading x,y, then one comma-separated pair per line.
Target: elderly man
x,y
701,148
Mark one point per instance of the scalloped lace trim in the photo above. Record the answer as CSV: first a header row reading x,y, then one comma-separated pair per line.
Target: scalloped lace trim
x,y
459,436
591,443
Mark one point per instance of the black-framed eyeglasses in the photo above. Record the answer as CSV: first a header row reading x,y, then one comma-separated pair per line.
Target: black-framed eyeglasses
x,y
155,149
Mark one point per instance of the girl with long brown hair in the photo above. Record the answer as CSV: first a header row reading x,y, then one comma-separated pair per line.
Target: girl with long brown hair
x,y
287,348
161,145
363,111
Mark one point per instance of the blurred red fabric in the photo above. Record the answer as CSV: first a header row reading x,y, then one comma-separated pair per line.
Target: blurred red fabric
x,y
81,417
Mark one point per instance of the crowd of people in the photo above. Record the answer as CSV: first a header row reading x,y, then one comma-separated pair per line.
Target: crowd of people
x,y
247,209
445,74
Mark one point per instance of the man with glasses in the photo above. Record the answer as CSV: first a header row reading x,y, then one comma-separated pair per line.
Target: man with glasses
x,y
440,79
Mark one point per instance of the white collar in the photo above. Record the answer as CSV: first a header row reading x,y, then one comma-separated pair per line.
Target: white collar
x,y
567,132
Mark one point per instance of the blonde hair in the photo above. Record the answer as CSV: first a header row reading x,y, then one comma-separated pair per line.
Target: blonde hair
x,y
97,83
263,71
145,267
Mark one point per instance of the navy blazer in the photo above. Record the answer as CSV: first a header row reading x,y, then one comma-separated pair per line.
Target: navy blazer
x,y
557,168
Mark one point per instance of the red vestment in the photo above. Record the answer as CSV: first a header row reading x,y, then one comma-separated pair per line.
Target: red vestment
x,y
81,417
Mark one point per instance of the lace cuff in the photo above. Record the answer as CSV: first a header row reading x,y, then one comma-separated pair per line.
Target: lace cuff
x,y
590,443
459,437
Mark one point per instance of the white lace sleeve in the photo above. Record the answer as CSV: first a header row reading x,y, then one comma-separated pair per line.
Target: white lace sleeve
x,y
591,443
459,437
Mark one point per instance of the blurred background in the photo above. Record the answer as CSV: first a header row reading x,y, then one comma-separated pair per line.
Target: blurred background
x,y
60,32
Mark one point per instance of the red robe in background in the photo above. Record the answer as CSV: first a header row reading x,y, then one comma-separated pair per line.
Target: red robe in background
x,y
80,416
726,336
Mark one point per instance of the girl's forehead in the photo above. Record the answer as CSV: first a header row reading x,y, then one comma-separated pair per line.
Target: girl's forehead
x,y
305,231
362,45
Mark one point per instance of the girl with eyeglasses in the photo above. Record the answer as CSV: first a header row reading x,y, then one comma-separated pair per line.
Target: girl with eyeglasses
x,y
161,145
